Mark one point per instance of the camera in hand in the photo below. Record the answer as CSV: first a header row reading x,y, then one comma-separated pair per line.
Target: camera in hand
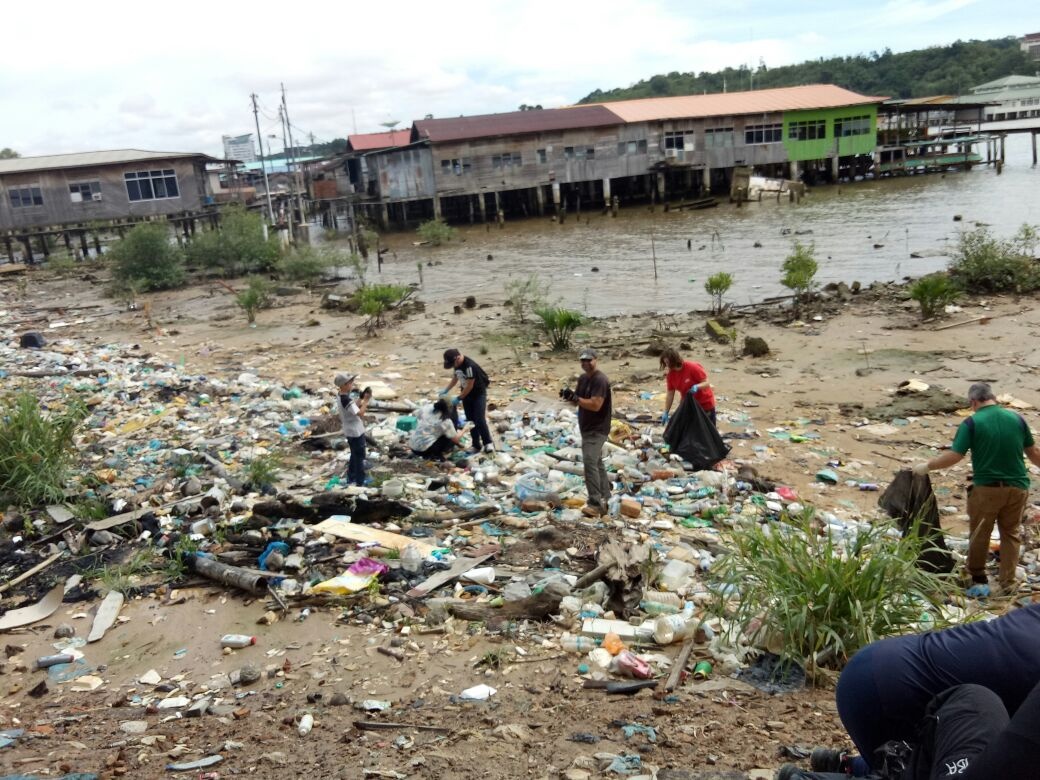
x,y
567,394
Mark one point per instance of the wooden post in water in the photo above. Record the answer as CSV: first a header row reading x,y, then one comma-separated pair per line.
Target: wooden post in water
x,y
653,251
8,248
1032,135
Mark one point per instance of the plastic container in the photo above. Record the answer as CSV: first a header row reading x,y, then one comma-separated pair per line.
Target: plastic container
x,y
306,724
392,488
485,575
674,628
675,575
411,559
237,640
532,487
577,644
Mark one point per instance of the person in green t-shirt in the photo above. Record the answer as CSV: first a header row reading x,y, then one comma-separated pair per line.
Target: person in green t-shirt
x,y
997,438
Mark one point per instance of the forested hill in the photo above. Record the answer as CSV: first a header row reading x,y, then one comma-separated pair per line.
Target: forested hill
x,y
940,70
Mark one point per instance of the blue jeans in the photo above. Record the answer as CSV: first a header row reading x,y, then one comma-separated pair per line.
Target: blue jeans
x,y
475,406
356,467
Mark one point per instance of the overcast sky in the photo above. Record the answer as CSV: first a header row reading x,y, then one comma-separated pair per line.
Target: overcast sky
x,y
77,76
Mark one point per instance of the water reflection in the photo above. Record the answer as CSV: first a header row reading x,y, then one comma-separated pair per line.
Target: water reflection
x,y
901,216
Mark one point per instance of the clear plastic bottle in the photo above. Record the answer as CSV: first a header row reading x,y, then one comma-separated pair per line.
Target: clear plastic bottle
x,y
577,644
411,559
306,724
237,640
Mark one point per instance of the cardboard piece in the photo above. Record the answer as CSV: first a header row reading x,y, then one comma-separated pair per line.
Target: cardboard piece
x,y
106,615
45,607
362,533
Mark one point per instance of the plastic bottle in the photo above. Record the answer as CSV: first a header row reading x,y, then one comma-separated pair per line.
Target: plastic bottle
x,y
577,644
674,628
614,506
306,724
612,643
675,574
663,597
411,559
237,640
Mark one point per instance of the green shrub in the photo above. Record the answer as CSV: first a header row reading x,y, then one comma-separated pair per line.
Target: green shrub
x,y
559,325
374,301
934,292
36,448
983,263
717,286
146,259
262,471
256,296
525,294
800,269
436,232
307,265
237,247
812,598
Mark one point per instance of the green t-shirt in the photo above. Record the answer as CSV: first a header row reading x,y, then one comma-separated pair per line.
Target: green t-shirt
x,y
996,437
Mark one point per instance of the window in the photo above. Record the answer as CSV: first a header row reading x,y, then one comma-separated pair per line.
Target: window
x,y
506,160
579,152
23,197
851,125
718,137
631,147
763,134
457,166
85,190
809,130
543,157
674,140
151,185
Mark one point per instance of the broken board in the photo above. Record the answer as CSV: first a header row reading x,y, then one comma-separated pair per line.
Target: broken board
x,y
441,578
362,533
45,607
106,615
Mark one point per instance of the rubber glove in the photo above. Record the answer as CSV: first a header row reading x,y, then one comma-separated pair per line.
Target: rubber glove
x,y
442,393
456,400
920,469
693,390
664,418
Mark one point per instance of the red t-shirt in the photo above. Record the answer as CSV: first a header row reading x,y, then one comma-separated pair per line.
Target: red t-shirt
x,y
686,377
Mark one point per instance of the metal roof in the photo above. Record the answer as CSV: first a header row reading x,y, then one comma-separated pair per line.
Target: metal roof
x,y
1008,82
92,159
367,142
513,123
761,101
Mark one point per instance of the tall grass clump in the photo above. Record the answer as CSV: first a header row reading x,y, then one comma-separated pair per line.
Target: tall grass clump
x,y
559,325
816,599
36,449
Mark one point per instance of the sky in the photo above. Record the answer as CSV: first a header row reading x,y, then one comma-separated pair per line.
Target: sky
x,y
78,76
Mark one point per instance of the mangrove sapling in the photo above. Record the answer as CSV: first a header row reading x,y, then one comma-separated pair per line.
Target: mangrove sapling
x,y
800,269
559,325
256,296
717,286
934,292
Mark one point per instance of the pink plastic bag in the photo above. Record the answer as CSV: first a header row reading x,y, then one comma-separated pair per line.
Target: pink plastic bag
x,y
630,664
368,566
786,493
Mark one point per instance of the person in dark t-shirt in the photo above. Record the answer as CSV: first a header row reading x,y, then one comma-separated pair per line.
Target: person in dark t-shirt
x,y
592,397
473,384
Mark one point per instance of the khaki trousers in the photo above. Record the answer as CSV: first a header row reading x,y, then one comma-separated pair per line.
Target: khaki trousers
x,y
989,504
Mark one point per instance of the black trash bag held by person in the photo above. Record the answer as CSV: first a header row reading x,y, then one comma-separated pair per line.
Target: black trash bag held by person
x,y
910,497
691,435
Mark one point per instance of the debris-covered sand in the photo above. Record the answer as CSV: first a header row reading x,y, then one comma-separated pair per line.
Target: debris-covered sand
x,y
184,396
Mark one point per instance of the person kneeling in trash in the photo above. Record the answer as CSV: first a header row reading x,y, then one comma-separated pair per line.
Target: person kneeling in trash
x,y
435,435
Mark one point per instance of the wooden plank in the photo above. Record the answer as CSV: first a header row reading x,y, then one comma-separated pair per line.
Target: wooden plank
x,y
362,533
680,663
442,578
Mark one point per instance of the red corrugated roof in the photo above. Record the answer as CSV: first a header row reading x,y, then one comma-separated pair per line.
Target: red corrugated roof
x,y
513,123
368,142
761,101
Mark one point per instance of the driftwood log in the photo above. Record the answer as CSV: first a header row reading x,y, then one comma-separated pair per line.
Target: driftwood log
x,y
537,607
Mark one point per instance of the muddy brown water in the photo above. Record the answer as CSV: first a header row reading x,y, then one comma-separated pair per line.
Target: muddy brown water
x,y
906,215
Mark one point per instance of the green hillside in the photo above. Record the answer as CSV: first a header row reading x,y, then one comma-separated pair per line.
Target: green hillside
x,y
940,70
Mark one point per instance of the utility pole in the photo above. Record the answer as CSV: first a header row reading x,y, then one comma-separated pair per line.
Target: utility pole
x,y
263,162
288,168
292,153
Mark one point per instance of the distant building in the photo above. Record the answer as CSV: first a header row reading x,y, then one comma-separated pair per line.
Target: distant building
x,y
1030,44
1012,97
239,147
64,189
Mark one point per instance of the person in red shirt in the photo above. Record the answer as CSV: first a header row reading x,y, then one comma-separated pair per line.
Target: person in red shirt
x,y
686,376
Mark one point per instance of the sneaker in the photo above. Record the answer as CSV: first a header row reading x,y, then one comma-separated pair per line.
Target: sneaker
x,y
489,447
789,772
592,510
827,759
979,590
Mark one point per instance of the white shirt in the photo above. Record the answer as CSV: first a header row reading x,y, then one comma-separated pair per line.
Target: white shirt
x,y
430,428
350,416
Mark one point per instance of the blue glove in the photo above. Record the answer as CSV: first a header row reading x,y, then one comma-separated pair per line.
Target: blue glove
x,y
693,390
456,400
442,393
664,418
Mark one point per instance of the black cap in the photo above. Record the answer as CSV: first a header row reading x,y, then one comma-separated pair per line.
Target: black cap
x,y
449,357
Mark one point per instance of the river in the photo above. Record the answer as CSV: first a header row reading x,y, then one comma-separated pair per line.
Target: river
x,y
903,215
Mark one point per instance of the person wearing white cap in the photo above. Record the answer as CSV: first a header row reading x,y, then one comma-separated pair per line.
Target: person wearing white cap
x,y
592,397
351,409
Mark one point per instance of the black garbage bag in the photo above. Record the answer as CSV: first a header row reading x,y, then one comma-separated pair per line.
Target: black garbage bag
x,y
908,498
691,435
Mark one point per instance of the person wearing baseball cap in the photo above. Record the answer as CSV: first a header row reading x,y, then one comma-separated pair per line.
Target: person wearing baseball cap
x,y
592,396
351,408
473,382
